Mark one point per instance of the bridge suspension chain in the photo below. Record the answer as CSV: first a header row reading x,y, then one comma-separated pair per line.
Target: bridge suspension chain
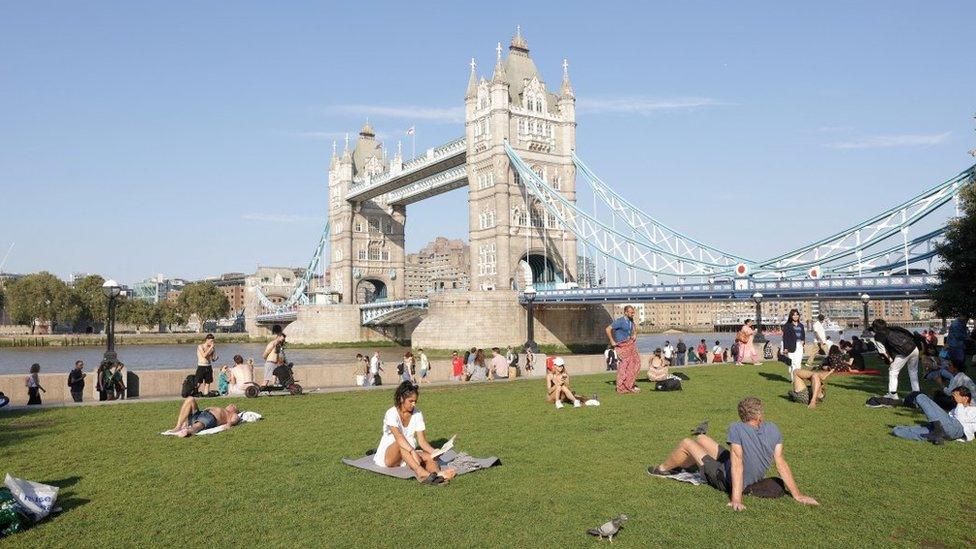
x,y
299,296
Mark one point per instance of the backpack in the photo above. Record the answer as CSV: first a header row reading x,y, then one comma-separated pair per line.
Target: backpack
x,y
670,384
400,369
189,386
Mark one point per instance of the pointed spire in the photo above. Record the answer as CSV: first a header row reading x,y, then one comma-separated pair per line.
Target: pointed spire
x,y
518,42
334,148
567,89
499,74
399,149
346,148
472,81
346,157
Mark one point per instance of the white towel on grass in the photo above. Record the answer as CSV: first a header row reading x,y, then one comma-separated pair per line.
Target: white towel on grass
x,y
246,417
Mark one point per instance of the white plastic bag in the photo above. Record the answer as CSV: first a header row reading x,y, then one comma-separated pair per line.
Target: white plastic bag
x,y
35,498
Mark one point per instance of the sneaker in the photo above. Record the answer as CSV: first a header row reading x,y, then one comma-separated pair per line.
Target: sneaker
x,y
878,402
701,429
655,471
559,404
892,396
576,404
936,434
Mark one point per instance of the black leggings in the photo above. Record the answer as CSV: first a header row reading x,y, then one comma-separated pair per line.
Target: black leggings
x,y
33,395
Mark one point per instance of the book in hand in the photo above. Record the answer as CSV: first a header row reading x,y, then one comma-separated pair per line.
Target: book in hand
x,y
447,446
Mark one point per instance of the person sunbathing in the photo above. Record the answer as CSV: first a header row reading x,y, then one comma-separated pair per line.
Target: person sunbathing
x,y
754,443
557,385
403,431
192,419
802,394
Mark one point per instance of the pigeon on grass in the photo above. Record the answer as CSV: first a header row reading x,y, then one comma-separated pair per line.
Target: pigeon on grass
x,y
608,529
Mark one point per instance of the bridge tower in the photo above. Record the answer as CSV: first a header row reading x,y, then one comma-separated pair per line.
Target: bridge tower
x,y
366,239
509,231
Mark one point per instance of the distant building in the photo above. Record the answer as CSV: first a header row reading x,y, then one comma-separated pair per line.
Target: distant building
x,y
232,284
439,266
158,288
587,270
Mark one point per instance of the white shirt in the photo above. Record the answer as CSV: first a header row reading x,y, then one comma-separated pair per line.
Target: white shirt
x,y
966,415
668,351
818,330
717,350
391,420
374,365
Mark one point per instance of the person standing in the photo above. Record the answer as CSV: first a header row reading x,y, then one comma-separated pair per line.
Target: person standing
x,y
820,338
375,367
513,363
457,367
33,384
899,349
76,381
747,350
424,366
206,355
718,353
681,351
794,336
623,338
668,352
272,354
103,381
702,352
956,338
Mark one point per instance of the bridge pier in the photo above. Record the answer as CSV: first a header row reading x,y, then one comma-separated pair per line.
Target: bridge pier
x,y
465,319
340,323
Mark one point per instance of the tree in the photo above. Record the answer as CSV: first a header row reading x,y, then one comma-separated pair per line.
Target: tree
x,y
89,295
956,292
139,313
170,314
41,297
204,300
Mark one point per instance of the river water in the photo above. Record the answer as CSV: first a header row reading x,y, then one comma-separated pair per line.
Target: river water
x,y
167,357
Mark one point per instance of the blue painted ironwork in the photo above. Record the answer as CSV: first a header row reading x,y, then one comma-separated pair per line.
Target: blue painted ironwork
x,y
299,296
388,313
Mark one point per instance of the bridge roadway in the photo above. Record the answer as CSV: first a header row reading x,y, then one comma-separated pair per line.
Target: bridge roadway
x,y
387,313
438,170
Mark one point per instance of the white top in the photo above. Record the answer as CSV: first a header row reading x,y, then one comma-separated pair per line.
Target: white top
x,y
668,351
819,332
391,420
32,381
717,349
966,415
374,365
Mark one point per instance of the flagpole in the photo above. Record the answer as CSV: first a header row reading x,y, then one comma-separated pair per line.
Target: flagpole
x,y
413,142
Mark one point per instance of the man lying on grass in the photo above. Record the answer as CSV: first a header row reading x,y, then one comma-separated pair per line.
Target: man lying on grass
x,y
755,444
403,430
192,419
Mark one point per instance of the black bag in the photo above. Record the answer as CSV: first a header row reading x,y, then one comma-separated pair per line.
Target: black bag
x,y
189,386
670,384
400,369
377,380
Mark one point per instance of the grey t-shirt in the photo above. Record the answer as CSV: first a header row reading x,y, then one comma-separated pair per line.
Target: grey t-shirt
x,y
758,445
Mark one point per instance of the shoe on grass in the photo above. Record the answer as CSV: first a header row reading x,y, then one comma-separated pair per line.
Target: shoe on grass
x,y
892,396
576,404
936,434
656,471
559,404
701,429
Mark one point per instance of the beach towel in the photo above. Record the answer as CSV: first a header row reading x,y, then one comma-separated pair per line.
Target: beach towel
x,y
460,462
246,417
691,477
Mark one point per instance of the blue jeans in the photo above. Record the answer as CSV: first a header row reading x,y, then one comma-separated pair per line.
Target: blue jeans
x,y
679,359
931,375
933,412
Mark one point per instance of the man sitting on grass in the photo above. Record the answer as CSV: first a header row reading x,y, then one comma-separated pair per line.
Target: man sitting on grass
x,y
192,419
755,444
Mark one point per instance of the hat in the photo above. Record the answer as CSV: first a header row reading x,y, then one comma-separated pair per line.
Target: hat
x,y
559,361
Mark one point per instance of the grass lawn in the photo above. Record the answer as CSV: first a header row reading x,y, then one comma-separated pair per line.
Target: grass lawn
x,y
280,482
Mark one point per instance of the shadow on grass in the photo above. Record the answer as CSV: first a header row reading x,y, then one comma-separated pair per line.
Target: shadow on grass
x,y
774,377
18,427
66,499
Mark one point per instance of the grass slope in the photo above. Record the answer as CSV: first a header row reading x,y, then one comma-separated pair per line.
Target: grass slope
x,y
280,482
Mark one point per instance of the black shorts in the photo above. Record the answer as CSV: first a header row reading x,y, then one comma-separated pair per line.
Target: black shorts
x,y
204,374
717,471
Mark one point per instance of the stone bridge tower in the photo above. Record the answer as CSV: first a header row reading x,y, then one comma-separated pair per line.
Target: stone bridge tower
x,y
509,231
366,239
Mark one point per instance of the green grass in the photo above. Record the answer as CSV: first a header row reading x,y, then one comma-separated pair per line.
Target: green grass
x,y
279,482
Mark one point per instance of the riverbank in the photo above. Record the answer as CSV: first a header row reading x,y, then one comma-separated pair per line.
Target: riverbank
x,y
98,340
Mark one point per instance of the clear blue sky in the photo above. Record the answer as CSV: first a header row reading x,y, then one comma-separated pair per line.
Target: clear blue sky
x,y
193,138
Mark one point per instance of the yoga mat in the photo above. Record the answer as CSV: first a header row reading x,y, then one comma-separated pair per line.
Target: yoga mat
x,y
404,472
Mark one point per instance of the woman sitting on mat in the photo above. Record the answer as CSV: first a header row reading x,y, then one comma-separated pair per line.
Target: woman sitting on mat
x,y
557,385
657,369
403,431
836,360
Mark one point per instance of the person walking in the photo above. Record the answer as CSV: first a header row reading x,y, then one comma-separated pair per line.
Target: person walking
x,y
623,338
76,381
33,384
899,349
794,336
747,351
668,352
681,351
375,367
820,338
424,366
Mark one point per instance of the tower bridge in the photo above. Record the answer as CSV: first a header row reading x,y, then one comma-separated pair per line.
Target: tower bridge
x,y
528,233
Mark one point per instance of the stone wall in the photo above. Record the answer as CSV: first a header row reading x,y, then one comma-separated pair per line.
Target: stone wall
x,y
167,383
338,324
458,320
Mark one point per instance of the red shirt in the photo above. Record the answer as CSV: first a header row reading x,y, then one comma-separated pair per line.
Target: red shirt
x,y
550,363
458,366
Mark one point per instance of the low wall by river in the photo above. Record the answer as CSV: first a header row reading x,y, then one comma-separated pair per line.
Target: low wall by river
x,y
167,383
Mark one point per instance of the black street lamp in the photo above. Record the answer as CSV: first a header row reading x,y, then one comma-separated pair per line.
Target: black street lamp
x,y
530,345
866,332
760,338
112,290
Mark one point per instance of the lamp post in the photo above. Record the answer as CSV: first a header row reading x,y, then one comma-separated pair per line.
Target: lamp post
x,y
865,299
760,338
112,290
530,345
